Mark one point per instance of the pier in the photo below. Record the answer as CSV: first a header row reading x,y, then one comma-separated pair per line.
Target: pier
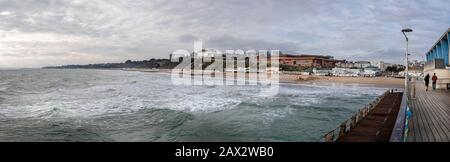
x,y
378,125
376,122
394,118
430,120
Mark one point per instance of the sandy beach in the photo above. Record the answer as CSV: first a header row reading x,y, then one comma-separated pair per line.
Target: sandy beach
x,y
373,81
369,81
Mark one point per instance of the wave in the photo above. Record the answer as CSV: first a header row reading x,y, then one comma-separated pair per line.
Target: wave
x,y
122,106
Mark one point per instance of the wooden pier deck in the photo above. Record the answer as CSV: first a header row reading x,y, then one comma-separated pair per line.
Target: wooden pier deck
x,y
377,126
430,121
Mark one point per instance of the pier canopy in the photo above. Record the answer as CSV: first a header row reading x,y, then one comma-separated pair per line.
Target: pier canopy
x,y
440,50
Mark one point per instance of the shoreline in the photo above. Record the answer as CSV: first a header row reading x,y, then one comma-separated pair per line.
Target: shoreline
x,y
382,82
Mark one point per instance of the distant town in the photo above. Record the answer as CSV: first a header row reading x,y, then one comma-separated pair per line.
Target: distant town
x,y
328,66
303,64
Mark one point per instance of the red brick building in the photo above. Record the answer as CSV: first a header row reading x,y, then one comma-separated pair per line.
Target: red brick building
x,y
316,61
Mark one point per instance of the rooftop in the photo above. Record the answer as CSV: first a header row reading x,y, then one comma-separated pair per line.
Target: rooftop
x,y
305,55
443,37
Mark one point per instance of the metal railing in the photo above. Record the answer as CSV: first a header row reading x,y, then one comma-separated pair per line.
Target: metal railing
x,y
401,127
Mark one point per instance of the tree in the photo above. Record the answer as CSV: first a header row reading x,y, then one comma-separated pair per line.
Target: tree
x,y
395,69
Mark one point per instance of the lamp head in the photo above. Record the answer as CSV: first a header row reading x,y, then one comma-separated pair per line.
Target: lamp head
x,y
407,30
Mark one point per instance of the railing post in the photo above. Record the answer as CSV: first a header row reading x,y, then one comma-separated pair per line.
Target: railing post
x,y
342,128
329,137
414,89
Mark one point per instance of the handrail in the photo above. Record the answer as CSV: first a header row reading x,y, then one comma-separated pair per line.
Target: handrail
x,y
401,127
351,123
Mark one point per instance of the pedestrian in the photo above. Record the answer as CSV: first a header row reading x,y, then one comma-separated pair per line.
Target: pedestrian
x,y
434,78
427,80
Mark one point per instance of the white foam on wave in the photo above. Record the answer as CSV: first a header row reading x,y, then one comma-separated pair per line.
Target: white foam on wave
x,y
121,92
269,116
134,93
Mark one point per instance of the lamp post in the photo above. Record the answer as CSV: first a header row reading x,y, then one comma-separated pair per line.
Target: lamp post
x,y
404,31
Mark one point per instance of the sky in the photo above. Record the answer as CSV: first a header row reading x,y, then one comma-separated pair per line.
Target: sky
x,y
36,33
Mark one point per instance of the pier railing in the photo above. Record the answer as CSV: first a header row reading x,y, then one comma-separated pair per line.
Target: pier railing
x,y
401,127
351,123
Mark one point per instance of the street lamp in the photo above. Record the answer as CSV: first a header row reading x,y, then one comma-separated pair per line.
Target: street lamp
x,y
404,31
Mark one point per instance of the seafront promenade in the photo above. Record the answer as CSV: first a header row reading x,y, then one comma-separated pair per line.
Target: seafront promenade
x,y
430,120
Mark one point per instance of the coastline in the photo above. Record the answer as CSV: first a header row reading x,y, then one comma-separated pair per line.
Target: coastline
x,y
383,82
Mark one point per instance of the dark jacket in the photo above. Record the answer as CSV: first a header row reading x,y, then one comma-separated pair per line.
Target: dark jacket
x,y
427,79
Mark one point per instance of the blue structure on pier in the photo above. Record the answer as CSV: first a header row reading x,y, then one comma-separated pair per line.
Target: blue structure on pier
x,y
440,49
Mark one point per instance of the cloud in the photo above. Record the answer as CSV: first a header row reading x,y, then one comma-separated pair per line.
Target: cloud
x,y
228,42
387,55
54,32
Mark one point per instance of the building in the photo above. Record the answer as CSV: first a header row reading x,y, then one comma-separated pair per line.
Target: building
x,y
371,71
346,72
315,61
355,72
321,72
383,65
415,68
438,60
354,64
362,64
345,64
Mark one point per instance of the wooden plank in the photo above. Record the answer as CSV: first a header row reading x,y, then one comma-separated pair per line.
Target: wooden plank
x,y
444,106
432,123
431,129
438,120
421,122
436,109
415,131
445,117
431,116
419,119
424,120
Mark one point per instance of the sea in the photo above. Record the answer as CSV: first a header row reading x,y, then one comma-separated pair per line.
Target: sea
x,y
115,105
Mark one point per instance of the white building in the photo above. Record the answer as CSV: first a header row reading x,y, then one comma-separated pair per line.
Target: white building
x,y
383,65
346,72
362,64
371,72
354,64
322,72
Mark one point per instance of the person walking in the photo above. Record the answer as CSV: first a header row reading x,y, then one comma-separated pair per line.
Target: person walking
x,y
427,80
434,78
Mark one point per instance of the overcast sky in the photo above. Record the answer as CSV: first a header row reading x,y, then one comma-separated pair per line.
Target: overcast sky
x,y
35,33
